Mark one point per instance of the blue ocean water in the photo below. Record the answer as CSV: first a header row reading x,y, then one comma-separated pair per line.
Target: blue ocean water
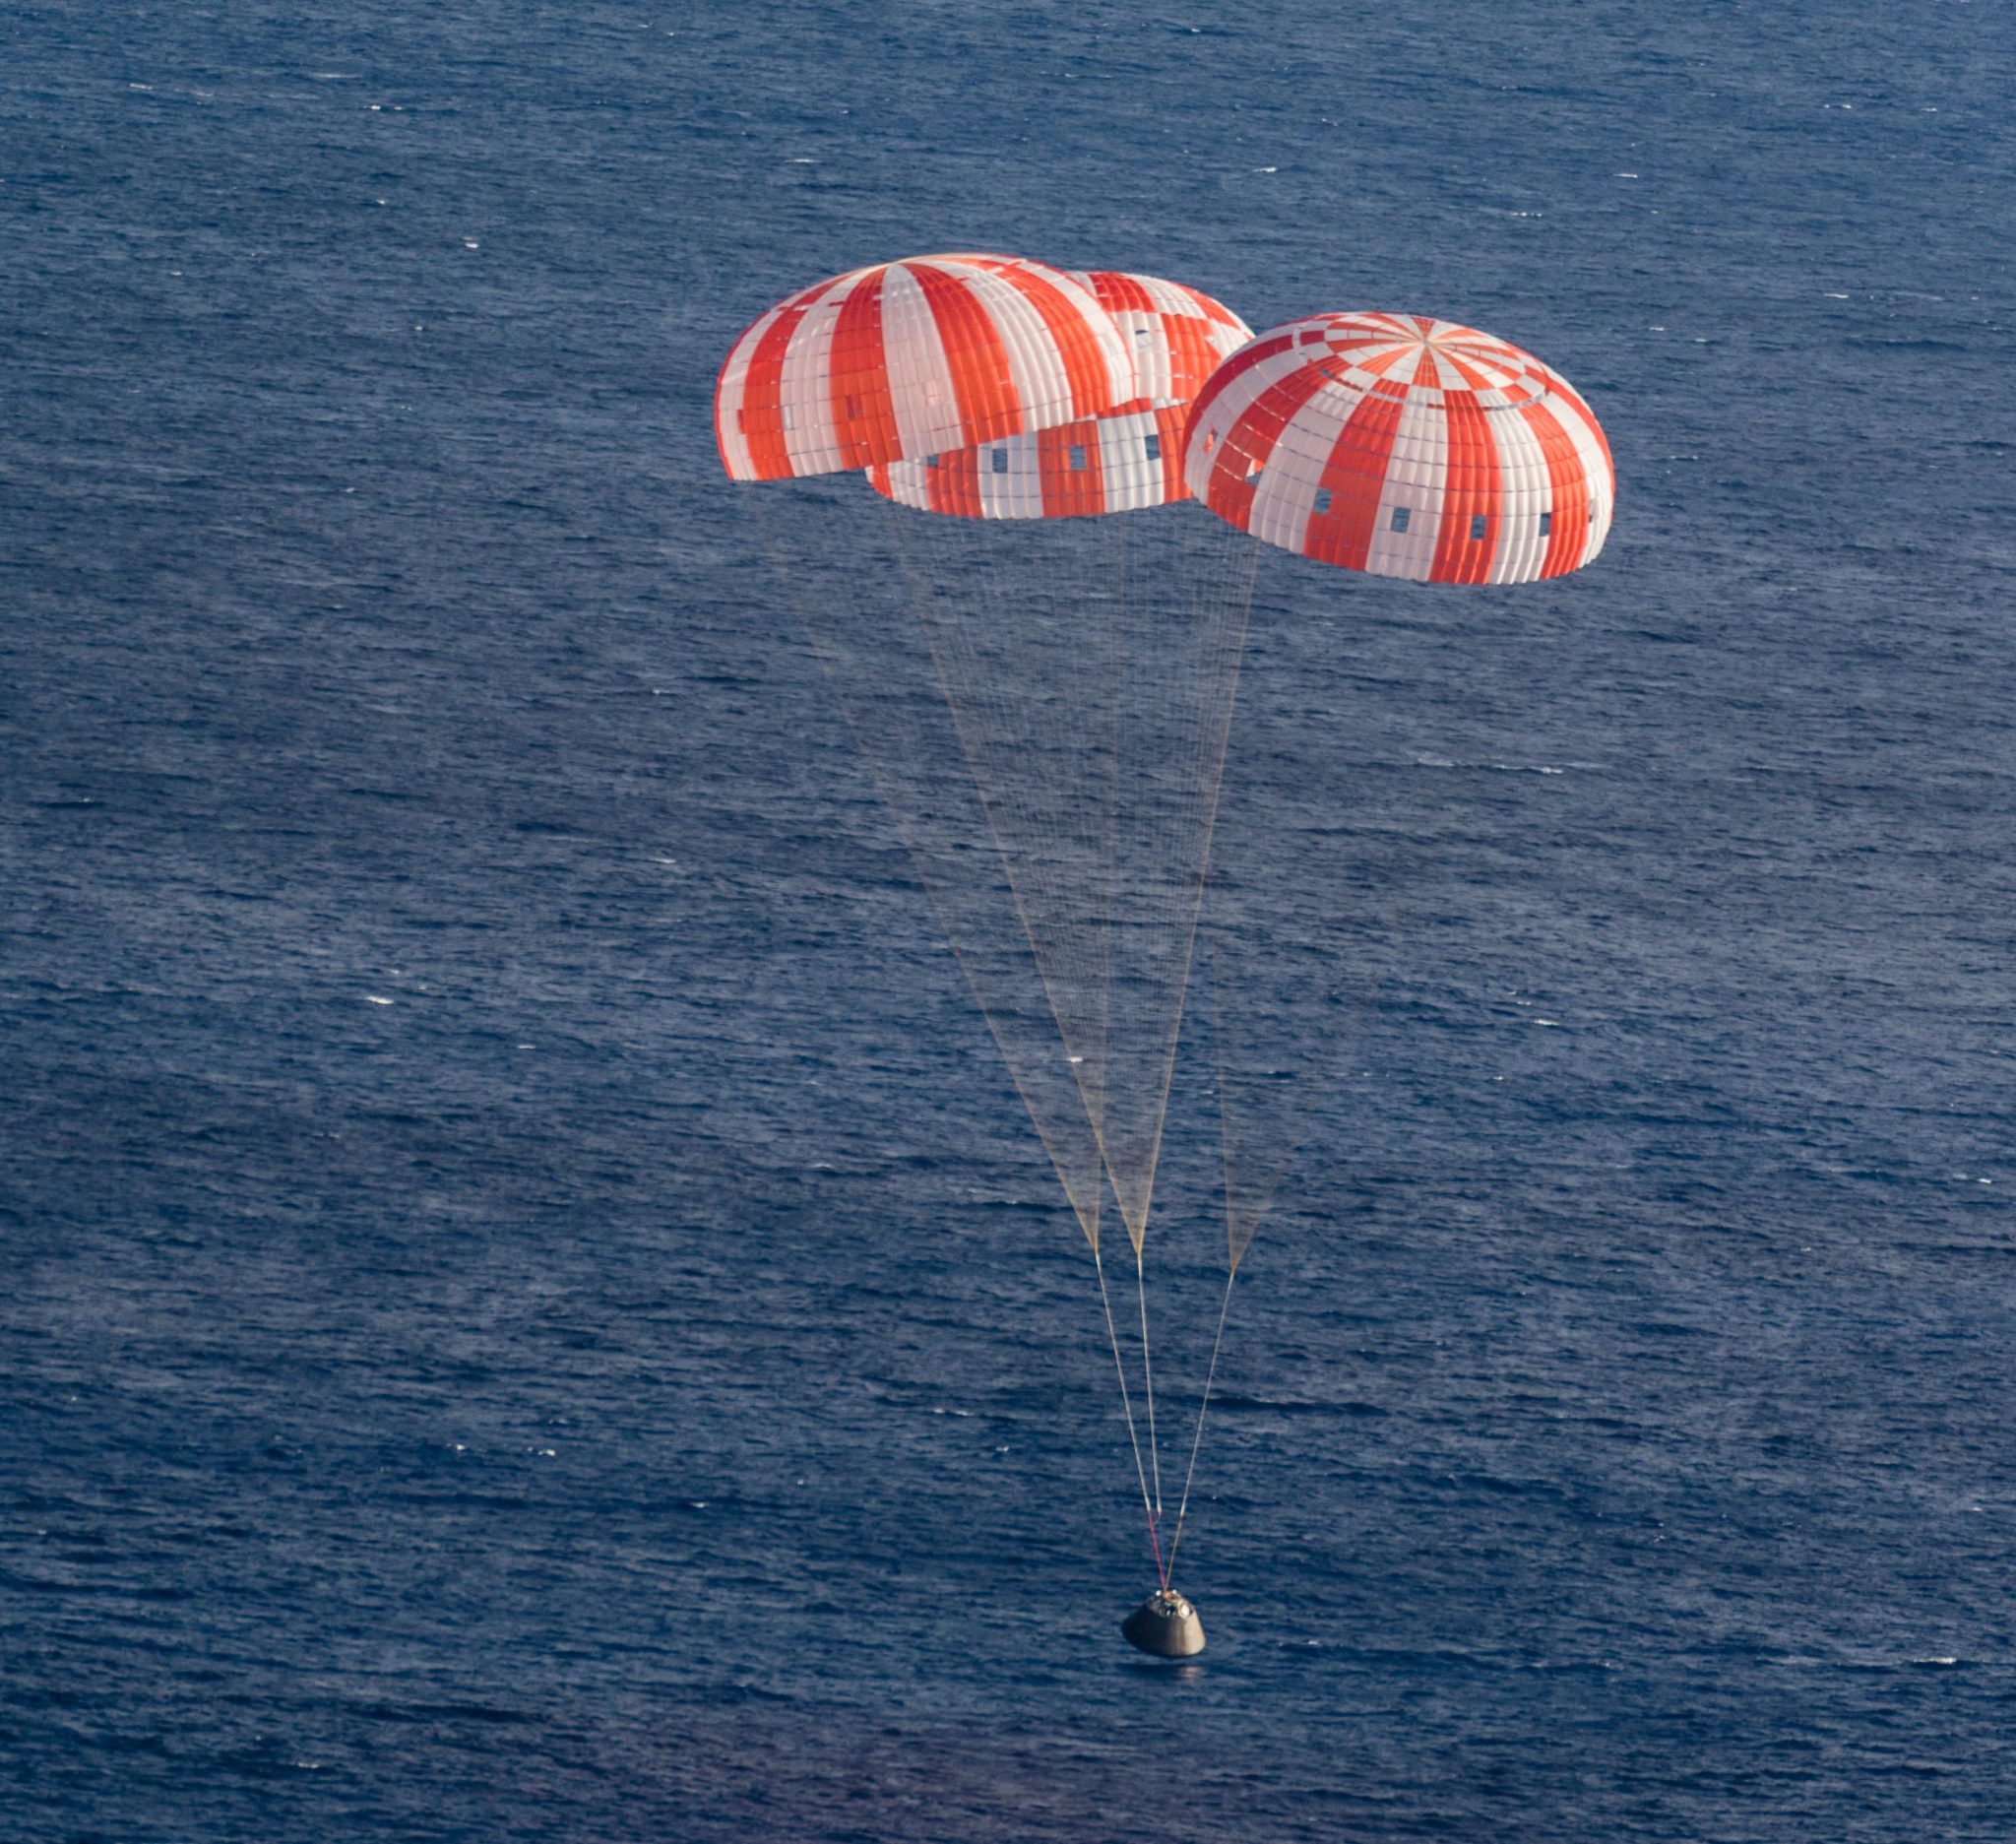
x,y
533,1310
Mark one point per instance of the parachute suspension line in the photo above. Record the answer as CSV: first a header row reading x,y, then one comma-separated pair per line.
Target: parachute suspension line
x,y
1148,1379
1197,1439
1127,1403
1221,607
967,702
1036,841
1092,708
1227,593
943,894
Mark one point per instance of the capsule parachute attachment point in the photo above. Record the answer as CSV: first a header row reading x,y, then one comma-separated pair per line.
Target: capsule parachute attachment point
x,y
1165,1624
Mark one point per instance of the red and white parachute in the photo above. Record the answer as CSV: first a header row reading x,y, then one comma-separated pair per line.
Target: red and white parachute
x,y
1402,446
911,358
1123,460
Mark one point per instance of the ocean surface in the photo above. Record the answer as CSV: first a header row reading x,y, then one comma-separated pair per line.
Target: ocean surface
x,y
533,1310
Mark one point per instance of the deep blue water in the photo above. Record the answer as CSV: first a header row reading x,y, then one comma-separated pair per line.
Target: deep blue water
x,y
642,1381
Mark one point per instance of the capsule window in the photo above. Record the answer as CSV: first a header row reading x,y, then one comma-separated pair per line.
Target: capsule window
x,y
1476,526
1401,515
1076,458
1322,499
1546,523
1153,445
1000,461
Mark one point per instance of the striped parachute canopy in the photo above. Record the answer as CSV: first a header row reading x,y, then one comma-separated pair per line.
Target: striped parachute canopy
x,y
1178,336
1405,447
1122,461
904,359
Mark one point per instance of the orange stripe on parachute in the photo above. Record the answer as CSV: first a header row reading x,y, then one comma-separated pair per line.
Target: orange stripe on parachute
x,y
1249,445
982,386
1092,391
1354,476
1070,493
1567,490
858,377
760,407
1470,489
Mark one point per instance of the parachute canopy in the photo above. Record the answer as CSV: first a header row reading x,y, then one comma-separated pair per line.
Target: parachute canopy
x,y
904,359
1123,460
1178,336
1402,446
